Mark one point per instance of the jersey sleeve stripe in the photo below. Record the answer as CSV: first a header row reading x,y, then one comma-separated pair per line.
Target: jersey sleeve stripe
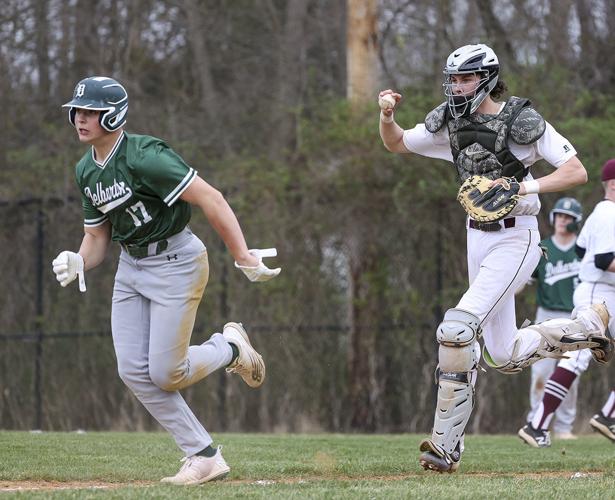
x,y
181,187
95,222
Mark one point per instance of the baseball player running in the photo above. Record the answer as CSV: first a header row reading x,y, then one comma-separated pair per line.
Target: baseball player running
x,y
481,135
138,191
596,246
557,278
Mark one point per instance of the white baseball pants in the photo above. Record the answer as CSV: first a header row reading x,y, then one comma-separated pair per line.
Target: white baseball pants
x,y
499,263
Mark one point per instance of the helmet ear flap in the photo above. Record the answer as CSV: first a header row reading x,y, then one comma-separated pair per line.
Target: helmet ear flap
x,y
71,115
102,121
112,119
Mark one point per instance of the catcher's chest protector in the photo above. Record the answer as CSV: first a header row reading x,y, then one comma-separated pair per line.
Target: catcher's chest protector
x,y
479,143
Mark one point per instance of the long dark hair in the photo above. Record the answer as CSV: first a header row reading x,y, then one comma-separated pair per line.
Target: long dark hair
x,y
499,89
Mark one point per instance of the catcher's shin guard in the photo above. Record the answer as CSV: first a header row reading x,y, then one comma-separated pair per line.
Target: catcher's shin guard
x,y
453,409
459,354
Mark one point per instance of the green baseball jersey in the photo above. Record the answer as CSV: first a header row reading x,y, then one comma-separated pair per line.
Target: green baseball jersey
x,y
137,189
557,277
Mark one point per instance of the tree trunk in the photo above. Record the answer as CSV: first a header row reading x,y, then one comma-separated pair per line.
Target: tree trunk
x,y
364,387
495,31
41,13
362,50
286,101
558,43
85,24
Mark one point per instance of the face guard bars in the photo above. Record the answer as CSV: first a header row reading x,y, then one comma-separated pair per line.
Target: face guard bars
x,y
464,105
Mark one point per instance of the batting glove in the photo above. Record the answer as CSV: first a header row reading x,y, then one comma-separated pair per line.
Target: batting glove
x,y
67,266
260,272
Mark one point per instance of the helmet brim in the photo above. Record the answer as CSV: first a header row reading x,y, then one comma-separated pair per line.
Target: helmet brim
x,y
94,106
572,214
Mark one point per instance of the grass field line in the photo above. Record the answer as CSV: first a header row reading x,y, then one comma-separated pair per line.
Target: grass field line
x,y
30,485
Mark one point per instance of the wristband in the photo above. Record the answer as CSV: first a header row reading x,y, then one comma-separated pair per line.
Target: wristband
x,y
386,119
531,187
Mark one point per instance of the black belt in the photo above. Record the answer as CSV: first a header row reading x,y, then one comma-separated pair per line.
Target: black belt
x,y
138,252
492,226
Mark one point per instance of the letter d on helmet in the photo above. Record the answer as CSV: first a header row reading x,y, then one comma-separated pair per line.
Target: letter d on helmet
x,y
100,93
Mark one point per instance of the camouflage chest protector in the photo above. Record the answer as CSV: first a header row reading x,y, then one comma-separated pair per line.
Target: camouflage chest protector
x,y
479,143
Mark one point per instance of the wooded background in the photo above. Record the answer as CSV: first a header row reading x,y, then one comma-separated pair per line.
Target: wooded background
x,y
274,103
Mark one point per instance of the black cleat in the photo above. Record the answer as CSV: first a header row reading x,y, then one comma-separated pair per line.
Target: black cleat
x,y
436,459
535,437
603,425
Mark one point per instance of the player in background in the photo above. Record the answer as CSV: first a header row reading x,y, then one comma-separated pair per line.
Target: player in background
x,y
138,191
480,134
595,246
557,278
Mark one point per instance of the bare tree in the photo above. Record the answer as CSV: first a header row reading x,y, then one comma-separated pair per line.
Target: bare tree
x,y
290,72
362,49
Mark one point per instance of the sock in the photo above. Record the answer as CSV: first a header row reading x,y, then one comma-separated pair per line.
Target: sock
x,y
208,452
556,390
608,410
235,352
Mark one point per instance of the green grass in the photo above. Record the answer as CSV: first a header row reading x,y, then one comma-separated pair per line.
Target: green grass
x,y
129,465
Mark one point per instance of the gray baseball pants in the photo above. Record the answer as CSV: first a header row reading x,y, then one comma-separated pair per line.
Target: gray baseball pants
x,y
155,300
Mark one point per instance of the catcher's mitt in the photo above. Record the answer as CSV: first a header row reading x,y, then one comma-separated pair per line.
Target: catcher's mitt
x,y
486,204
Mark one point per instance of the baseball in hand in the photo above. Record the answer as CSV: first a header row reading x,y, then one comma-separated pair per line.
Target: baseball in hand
x,y
386,101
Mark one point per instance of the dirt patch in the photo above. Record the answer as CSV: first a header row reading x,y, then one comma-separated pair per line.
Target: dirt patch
x,y
65,485
101,485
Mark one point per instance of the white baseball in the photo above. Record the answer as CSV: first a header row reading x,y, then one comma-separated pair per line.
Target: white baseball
x,y
386,101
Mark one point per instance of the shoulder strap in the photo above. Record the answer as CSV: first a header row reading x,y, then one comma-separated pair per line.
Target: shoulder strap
x,y
525,125
436,118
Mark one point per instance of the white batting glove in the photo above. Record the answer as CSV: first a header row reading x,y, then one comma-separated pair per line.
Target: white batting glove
x,y
260,272
67,266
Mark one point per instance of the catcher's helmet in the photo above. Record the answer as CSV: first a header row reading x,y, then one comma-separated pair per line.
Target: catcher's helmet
x,y
568,206
100,93
470,59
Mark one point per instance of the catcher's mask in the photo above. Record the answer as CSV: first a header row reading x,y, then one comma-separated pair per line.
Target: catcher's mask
x,y
568,206
470,59
100,93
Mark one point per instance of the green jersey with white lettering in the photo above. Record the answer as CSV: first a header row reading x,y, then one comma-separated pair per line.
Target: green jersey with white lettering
x,y
557,277
137,189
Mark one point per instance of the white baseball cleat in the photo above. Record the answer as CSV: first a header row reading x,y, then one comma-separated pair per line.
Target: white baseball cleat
x,y
249,364
198,469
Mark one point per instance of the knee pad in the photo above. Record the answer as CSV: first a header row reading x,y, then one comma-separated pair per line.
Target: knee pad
x,y
457,334
458,328
458,359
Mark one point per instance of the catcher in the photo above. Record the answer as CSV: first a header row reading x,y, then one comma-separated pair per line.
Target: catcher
x,y
492,145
